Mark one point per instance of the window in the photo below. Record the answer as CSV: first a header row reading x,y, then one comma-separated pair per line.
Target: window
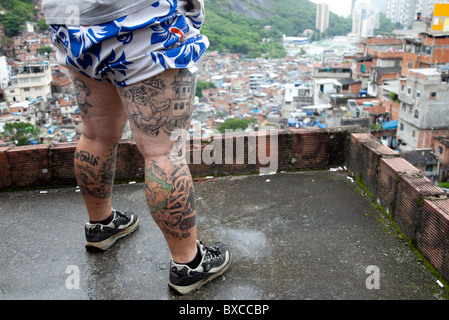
x,y
429,167
413,133
418,94
433,95
402,127
440,149
402,88
409,90
26,89
416,114
410,65
426,50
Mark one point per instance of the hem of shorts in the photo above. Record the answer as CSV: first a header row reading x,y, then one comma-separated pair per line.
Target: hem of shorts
x,y
183,66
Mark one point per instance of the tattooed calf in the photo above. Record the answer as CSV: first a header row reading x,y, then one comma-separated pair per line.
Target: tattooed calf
x,y
85,156
95,174
170,197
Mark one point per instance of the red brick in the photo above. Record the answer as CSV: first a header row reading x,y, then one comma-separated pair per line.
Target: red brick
x,y
30,165
5,173
433,232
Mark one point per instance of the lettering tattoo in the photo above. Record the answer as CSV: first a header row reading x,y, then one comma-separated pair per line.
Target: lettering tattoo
x,y
155,83
171,198
95,174
82,91
84,156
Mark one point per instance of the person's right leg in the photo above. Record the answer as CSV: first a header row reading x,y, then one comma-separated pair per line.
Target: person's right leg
x,y
156,108
169,187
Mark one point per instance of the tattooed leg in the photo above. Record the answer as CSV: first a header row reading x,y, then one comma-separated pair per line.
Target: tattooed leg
x,y
155,108
170,197
104,119
95,176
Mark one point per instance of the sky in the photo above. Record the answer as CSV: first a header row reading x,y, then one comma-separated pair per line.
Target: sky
x,y
343,7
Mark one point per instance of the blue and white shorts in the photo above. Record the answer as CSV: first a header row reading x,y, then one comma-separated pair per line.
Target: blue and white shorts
x,y
135,47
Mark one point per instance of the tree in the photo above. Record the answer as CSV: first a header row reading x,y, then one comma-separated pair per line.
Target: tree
x,y
45,49
235,124
386,25
42,25
17,13
201,85
21,132
13,24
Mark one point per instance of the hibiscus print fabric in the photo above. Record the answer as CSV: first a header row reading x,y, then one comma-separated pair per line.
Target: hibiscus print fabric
x,y
136,47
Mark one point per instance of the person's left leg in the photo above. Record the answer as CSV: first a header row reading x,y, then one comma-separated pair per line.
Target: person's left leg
x,y
159,110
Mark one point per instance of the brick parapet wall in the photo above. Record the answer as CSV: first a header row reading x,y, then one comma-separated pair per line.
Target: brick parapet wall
x,y
418,207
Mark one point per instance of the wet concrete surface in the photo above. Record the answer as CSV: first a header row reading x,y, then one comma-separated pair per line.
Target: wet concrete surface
x,y
293,236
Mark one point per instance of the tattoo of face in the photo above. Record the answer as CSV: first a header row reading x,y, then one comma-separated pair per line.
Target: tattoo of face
x,y
146,111
95,174
82,92
171,199
155,106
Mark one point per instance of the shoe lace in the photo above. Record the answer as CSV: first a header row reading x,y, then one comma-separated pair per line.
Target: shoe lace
x,y
123,216
212,252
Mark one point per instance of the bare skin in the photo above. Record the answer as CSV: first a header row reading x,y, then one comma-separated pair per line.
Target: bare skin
x,y
155,108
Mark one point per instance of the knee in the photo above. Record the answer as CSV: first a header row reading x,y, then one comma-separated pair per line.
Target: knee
x,y
154,150
101,137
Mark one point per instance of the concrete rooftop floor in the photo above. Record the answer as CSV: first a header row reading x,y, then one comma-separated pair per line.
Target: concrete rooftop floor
x,y
293,236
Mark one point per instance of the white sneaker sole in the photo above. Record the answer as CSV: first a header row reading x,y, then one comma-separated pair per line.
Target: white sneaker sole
x,y
199,284
107,243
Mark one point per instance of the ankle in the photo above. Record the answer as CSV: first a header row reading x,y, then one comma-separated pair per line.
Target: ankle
x,y
106,220
195,262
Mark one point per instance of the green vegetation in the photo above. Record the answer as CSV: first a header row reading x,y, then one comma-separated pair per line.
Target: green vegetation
x,y
42,25
393,96
235,31
235,124
443,184
201,85
16,14
386,26
250,28
21,133
45,49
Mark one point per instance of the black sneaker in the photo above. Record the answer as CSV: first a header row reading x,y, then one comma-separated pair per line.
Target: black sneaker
x,y
215,261
100,237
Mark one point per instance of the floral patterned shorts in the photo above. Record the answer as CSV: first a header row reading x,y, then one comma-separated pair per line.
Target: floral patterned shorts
x,y
135,47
